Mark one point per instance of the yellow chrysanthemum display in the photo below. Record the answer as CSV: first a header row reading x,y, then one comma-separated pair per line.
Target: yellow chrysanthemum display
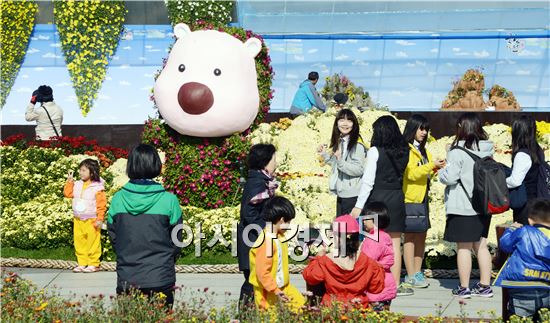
x,y
17,23
296,150
89,31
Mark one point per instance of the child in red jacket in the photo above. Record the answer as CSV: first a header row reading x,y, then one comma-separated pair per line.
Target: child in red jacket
x,y
348,276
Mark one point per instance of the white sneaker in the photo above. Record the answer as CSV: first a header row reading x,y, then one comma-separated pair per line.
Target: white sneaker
x,y
79,269
90,269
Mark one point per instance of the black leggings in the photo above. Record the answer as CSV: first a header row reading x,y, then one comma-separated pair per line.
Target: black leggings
x,y
520,215
247,291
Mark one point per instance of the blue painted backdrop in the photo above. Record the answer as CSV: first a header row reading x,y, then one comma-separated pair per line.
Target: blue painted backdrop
x,y
405,73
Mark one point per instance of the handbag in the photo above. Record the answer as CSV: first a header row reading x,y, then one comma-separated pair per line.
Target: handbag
x,y
416,214
416,219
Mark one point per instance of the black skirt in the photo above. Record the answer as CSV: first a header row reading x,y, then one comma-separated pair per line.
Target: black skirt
x,y
395,202
344,205
464,228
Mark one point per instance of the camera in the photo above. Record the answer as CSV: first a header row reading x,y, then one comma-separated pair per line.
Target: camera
x,y
44,93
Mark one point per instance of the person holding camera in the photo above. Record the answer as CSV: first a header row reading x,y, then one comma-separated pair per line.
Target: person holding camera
x,y
48,116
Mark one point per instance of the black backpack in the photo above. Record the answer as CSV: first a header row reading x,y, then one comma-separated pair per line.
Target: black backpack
x,y
543,180
490,194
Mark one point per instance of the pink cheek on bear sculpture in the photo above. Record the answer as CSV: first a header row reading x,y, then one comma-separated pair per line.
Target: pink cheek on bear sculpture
x,y
195,98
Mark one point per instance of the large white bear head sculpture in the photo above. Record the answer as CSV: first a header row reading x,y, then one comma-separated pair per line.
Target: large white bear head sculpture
x,y
208,87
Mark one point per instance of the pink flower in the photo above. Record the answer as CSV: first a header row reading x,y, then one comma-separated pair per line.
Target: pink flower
x,y
203,195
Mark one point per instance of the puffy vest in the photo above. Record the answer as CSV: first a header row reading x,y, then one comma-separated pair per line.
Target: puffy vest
x,y
84,201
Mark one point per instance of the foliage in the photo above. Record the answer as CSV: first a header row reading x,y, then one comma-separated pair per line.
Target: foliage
x,y
38,223
467,92
89,31
474,75
213,11
339,83
543,131
499,91
204,172
34,212
23,301
501,98
17,24
71,146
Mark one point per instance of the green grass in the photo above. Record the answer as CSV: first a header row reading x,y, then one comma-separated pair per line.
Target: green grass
x,y
63,253
66,253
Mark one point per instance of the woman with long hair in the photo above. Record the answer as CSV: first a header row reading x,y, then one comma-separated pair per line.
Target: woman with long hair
x,y
416,187
347,158
464,225
382,181
526,158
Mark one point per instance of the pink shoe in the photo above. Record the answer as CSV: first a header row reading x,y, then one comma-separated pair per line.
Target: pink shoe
x,y
90,269
79,269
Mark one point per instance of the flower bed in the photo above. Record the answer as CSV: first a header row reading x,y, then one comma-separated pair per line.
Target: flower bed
x,y
35,215
296,150
107,155
22,301
34,212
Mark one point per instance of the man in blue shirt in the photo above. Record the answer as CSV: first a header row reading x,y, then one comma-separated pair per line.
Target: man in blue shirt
x,y
307,98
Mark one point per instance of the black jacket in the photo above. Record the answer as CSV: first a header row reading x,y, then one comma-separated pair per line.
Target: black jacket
x,y
250,214
141,219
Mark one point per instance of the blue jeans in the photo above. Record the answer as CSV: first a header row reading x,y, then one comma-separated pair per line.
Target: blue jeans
x,y
527,302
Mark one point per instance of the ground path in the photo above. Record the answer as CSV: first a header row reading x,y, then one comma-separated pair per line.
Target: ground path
x,y
422,303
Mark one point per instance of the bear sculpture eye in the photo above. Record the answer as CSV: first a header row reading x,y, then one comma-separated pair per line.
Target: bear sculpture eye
x,y
181,68
217,72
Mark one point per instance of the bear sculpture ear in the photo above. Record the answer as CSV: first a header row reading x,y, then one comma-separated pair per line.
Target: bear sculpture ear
x,y
180,30
253,46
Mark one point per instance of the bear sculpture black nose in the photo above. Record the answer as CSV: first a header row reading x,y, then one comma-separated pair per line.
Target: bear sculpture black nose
x,y
195,98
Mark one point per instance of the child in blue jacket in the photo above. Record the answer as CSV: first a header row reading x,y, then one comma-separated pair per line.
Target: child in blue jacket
x,y
526,274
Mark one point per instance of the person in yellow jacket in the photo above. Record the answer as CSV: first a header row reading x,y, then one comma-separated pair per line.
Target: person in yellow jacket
x,y
89,206
415,187
269,259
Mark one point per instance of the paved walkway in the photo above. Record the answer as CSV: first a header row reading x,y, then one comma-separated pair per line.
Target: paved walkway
x,y
424,302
